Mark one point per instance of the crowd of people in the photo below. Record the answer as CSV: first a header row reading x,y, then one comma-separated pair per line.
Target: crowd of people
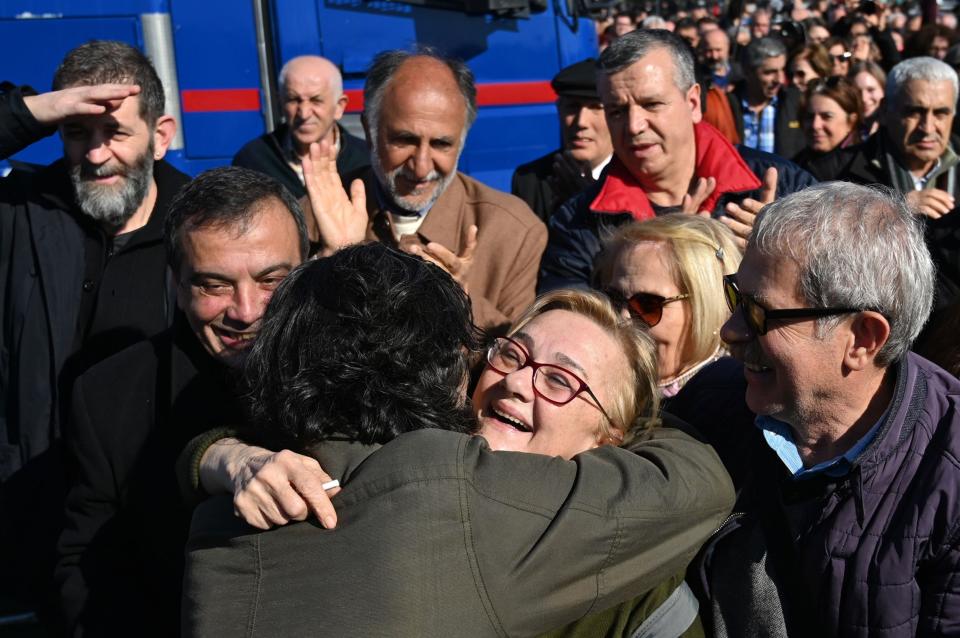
x,y
695,376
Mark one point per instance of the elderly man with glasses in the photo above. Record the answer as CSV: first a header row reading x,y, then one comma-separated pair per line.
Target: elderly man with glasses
x,y
847,521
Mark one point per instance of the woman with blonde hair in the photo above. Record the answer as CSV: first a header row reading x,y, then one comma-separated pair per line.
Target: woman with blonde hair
x,y
667,274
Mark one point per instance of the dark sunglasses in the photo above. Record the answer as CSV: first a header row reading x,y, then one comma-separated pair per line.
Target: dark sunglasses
x,y
644,306
757,317
843,57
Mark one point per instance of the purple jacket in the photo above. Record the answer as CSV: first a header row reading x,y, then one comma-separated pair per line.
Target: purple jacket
x,y
874,553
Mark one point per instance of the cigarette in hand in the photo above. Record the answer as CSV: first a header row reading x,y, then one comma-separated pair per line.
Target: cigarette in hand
x,y
329,485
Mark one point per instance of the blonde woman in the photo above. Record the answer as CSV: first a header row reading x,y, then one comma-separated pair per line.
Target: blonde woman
x,y
667,274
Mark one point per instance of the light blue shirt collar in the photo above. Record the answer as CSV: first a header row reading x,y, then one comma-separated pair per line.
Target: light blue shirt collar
x,y
779,436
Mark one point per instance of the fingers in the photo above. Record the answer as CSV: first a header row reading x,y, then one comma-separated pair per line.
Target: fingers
x,y
286,487
739,231
444,255
471,246
768,192
933,203
358,195
745,212
54,107
308,485
692,202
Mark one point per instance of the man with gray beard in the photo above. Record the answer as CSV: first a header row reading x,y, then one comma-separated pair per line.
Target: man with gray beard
x,y
83,271
418,109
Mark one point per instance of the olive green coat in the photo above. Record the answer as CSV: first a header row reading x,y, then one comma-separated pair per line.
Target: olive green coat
x,y
439,536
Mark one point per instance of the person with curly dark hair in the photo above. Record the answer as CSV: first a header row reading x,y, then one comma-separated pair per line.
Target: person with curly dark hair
x,y
366,346
362,365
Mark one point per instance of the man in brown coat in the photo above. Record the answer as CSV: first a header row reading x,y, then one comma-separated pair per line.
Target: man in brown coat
x,y
418,109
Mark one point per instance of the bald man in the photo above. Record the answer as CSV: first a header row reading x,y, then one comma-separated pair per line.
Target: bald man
x,y
418,108
311,94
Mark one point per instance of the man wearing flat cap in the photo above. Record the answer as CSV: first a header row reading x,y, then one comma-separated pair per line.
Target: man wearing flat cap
x,y
549,181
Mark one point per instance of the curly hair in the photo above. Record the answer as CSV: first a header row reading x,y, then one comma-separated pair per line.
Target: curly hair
x,y
365,345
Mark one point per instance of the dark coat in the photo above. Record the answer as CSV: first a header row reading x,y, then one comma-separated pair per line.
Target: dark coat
x,y
43,243
265,154
439,536
536,184
787,132
873,553
576,228
121,552
719,388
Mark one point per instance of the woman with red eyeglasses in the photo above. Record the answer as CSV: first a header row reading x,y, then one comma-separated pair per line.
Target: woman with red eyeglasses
x,y
667,273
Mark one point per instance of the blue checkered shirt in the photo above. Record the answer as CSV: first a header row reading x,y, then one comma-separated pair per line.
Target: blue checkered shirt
x,y
758,128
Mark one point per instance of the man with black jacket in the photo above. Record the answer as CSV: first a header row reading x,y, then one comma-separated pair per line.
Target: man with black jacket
x,y
313,101
83,271
549,181
232,236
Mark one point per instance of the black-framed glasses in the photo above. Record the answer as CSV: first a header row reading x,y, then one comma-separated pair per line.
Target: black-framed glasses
x,y
645,306
842,57
757,317
553,383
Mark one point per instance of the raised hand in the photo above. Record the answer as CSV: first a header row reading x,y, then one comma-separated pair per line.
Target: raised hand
x,y
457,265
341,219
740,217
693,201
56,106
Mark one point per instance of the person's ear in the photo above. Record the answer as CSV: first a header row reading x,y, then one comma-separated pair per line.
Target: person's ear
x,y
163,132
341,106
869,332
693,101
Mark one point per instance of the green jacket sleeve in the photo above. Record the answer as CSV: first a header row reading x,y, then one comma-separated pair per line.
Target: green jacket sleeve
x,y
589,533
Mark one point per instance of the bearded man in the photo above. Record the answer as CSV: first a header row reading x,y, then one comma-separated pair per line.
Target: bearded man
x,y
84,269
418,108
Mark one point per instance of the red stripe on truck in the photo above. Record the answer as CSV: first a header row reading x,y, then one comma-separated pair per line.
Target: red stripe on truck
x,y
207,100
488,94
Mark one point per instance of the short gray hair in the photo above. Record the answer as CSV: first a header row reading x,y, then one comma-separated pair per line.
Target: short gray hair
x,y
923,68
336,79
760,50
385,66
856,247
629,48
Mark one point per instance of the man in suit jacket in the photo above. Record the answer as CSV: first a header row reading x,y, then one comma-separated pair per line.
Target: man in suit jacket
x,y
549,181
418,109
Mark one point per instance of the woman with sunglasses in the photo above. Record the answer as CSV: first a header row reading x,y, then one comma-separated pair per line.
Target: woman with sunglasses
x,y
667,274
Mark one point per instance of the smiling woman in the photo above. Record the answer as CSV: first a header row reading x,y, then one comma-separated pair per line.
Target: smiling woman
x,y
592,381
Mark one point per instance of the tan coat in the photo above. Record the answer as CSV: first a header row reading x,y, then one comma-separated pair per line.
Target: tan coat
x,y
503,277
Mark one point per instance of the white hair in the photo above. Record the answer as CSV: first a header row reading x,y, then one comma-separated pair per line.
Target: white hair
x,y
923,68
335,79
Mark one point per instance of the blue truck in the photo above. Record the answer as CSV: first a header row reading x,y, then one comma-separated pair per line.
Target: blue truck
x,y
219,61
